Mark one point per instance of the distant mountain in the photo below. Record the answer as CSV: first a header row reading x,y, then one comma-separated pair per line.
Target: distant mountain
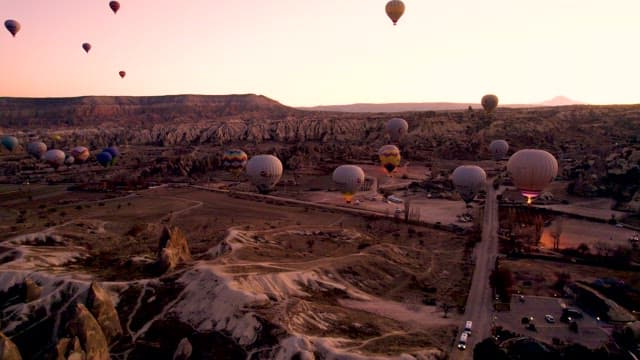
x,y
561,101
429,106
128,109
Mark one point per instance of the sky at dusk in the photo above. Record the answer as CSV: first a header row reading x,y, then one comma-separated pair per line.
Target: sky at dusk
x,y
312,52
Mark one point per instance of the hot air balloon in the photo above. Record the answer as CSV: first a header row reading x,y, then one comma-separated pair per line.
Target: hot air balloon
x,y
80,154
56,137
122,74
69,160
104,158
264,171
54,157
532,170
389,157
36,149
234,161
13,26
115,6
9,142
468,180
489,102
86,47
498,149
394,9
349,179
114,152
397,128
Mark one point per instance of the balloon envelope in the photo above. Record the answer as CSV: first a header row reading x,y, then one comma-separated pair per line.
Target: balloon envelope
x,y
13,26
122,74
349,179
394,9
80,154
54,157
532,170
9,142
36,149
86,47
489,102
115,6
234,161
264,172
69,160
397,128
498,149
104,158
468,180
389,157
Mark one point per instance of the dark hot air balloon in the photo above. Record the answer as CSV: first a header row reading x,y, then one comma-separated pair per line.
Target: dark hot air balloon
x,y
86,47
115,6
13,26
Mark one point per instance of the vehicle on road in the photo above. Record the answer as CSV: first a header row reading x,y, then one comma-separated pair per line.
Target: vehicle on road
x,y
467,327
549,318
462,343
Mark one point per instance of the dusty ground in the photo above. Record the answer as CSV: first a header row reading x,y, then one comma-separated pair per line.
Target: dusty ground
x,y
397,272
573,234
541,275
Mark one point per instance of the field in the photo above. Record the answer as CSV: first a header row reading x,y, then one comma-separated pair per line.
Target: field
x,y
370,281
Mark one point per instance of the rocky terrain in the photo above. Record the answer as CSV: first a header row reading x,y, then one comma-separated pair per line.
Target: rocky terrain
x,y
184,136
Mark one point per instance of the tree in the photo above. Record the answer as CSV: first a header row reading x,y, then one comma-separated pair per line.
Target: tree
x,y
556,233
488,349
583,249
501,280
445,306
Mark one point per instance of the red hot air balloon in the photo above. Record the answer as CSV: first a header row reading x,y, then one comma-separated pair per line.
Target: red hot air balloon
x,y
115,6
122,73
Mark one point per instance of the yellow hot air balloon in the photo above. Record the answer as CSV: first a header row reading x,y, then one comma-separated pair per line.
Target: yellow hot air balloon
x,y
394,9
489,102
349,179
389,158
532,170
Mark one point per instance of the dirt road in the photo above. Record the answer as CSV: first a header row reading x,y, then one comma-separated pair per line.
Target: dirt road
x,y
479,308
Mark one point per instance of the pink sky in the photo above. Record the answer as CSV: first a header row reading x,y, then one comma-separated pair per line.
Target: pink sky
x,y
309,52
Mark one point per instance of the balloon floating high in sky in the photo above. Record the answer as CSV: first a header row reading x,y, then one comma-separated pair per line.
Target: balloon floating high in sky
x,y
122,73
115,6
489,103
532,170
13,26
86,47
394,9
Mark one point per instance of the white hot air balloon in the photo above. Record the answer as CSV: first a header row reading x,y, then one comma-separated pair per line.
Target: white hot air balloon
x,y
468,180
498,149
264,171
397,128
349,179
54,157
532,170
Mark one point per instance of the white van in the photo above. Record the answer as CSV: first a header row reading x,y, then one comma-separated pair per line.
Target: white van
x,y
462,343
467,327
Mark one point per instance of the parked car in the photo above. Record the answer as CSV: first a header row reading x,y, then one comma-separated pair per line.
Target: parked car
x,y
549,318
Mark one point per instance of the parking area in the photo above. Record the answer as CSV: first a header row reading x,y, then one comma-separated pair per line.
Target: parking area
x,y
591,332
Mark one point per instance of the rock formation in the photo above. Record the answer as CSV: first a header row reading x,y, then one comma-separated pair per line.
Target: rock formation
x,y
68,349
31,290
8,350
85,327
184,350
173,249
101,307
